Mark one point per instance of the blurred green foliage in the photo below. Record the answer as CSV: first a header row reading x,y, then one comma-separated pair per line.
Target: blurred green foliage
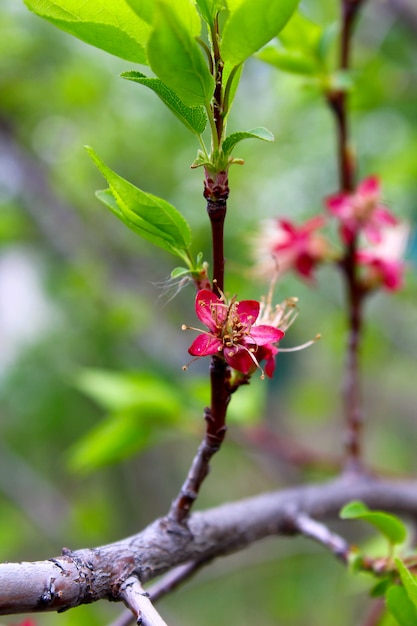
x,y
108,311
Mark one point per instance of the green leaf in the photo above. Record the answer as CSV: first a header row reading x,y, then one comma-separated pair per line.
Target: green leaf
x,y
142,406
251,25
400,606
194,118
143,8
149,216
117,391
231,78
255,133
186,12
408,580
117,437
138,226
232,5
389,525
209,8
113,26
179,272
381,588
177,59
300,33
292,61
328,40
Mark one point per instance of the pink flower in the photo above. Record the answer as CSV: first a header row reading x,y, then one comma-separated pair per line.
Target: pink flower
x,y
233,333
267,353
282,246
361,210
384,262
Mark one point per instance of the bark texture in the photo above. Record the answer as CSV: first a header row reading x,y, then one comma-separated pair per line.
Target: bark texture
x,y
83,576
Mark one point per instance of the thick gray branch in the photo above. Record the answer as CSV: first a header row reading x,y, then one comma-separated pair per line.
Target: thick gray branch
x,y
88,575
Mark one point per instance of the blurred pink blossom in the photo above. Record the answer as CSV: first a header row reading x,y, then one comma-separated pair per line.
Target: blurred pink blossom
x,y
361,210
282,246
384,261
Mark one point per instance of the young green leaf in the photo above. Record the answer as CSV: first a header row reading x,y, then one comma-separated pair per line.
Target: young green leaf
x,y
408,580
194,118
180,272
255,133
177,59
116,391
209,8
142,407
381,587
300,33
231,79
251,25
143,8
389,525
292,61
186,12
232,5
117,437
139,226
400,606
112,26
149,216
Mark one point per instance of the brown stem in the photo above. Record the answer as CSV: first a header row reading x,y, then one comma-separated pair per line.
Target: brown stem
x,y
351,386
337,100
346,159
216,191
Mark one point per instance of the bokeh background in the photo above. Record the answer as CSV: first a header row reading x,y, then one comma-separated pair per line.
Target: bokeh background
x,y
98,421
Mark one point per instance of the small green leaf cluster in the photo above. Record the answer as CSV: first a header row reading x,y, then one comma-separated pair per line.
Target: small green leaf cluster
x,y
396,582
306,48
197,67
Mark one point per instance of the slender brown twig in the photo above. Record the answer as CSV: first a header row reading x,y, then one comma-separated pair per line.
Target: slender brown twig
x,y
338,100
216,193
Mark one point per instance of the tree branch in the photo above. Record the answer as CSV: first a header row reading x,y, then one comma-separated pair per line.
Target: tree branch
x,y
88,575
309,527
136,598
168,583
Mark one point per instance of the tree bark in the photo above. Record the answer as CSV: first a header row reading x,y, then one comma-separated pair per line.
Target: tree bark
x,y
84,576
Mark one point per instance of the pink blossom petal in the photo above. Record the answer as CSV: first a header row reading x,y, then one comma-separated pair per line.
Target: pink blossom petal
x,y
337,204
247,311
373,233
318,221
369,186
383,216
288,227
204,345
267,353
264,334
239,359
210,309
305,265
393,275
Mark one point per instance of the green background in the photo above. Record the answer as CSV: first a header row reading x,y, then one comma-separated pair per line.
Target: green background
x,y
88,294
